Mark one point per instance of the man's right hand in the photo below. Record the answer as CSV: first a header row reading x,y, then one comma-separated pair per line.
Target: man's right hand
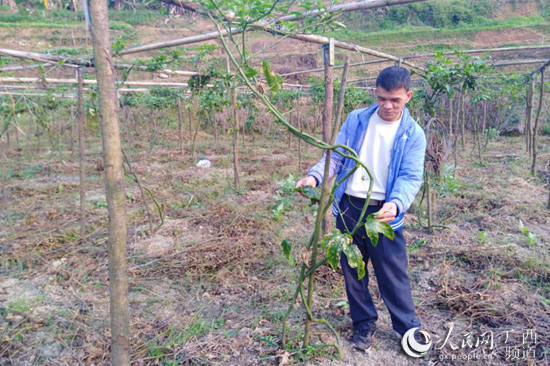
x,y
307,181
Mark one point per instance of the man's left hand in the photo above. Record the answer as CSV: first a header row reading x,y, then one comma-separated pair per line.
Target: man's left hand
x,y
387,213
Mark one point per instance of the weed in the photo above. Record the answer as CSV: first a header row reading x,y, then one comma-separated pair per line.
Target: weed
x,y
101,203
19,306
418,243
531,238
483,237
270,341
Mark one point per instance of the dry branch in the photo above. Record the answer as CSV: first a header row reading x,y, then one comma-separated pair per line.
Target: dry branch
x,y
360,5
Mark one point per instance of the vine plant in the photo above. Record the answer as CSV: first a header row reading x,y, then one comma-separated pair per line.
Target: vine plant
x,y
222,14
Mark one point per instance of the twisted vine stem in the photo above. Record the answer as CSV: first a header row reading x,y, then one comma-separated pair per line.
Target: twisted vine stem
x,y
345,152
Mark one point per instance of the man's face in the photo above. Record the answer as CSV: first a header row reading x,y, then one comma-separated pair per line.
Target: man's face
x,y
391,103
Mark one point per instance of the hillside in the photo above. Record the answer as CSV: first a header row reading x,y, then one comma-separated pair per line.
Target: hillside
x,y
424,27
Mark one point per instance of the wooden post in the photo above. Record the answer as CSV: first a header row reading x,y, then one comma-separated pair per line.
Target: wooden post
x,y
180,127
451,117
341,95
5,198
73,129
328,57
299,124
463,120
484,123
80,129
429,205
236,181
115,186
529,112
534,144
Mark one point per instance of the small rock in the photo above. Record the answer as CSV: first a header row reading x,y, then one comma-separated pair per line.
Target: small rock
x,y
59,262
205,163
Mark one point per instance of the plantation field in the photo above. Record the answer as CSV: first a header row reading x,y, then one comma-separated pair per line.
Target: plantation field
x,y
211,285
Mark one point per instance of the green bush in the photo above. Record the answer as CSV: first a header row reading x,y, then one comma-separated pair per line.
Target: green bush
x,y
546,127
440,14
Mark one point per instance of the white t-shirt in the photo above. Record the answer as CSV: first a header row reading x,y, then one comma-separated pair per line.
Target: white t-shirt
x,y
375,153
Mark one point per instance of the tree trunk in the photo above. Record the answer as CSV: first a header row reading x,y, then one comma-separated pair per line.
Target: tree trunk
x,y
114,183
80,124
536,126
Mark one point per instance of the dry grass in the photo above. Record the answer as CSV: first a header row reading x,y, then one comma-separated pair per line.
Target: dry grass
x,y
211,285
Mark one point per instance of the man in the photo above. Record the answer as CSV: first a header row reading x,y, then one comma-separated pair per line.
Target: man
x,y
392,145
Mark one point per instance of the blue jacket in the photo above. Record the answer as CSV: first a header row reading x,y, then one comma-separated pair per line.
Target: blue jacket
x,y
406,163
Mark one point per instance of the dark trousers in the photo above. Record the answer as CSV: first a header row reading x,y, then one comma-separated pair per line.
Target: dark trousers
x,y
389,260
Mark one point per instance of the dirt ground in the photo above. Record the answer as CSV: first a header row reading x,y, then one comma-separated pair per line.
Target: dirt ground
x,y
211,285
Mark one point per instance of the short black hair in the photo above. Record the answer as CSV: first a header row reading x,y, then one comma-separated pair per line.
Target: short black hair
x,y
394,78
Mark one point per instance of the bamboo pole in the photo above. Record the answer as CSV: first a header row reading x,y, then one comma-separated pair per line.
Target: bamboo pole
x,y
482,50
45,58
359,5
337,44
87,82
177,42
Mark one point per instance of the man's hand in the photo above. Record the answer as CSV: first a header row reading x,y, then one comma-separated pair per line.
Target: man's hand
x,y
307,181
387,213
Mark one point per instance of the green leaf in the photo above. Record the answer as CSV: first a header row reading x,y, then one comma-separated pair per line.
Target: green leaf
x,y
335,243
287,247
523,228
312,193
531,238
274,81
250,72
355,259
374,227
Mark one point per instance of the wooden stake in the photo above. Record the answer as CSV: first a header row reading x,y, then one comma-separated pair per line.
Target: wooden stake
x,y
180,128
4,186
328,57
529,112
534,144
81,164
